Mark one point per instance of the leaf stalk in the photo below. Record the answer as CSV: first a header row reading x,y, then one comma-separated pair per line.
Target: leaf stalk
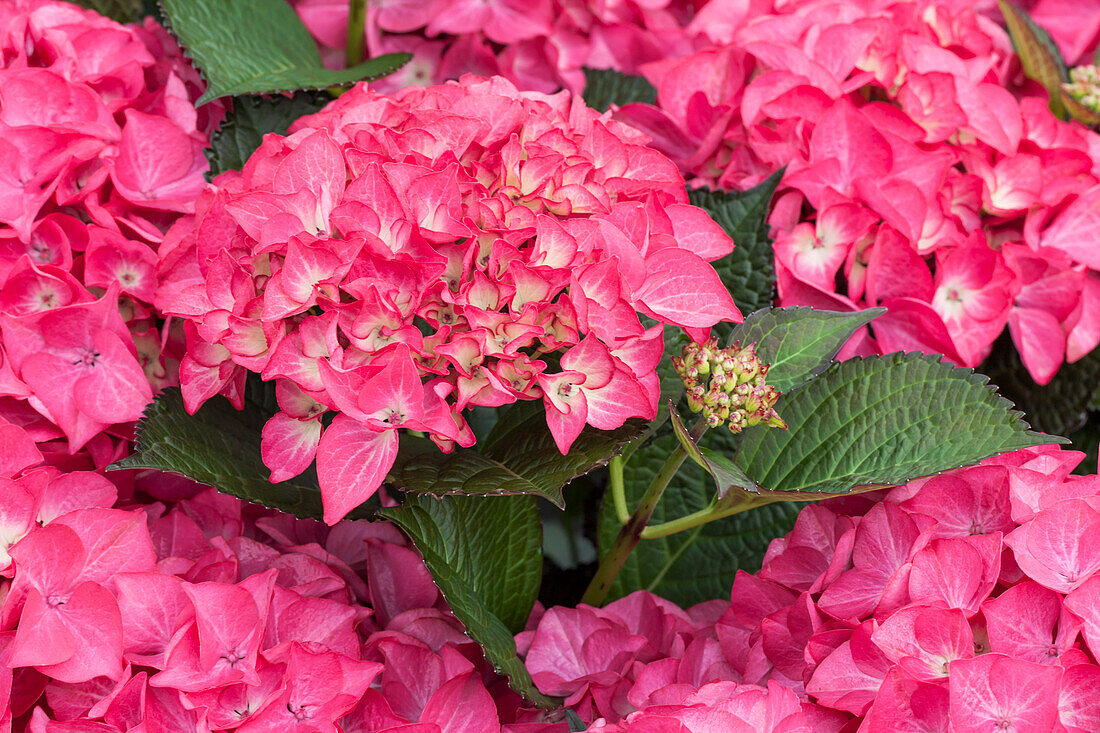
x,y
618,489
712,513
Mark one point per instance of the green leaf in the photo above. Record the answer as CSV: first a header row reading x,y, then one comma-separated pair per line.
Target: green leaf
x,y
518,457
1039,55
485,555
799,342
604,87
748,272
219,446
726,474
249,119
882,421
699,564
259,47
123,11
575,722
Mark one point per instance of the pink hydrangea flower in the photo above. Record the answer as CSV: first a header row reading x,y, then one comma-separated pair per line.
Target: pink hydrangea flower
x,y
918,611
399,258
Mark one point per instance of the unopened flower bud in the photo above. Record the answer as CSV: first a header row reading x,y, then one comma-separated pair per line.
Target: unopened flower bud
x,y
737,422
727,385
695,397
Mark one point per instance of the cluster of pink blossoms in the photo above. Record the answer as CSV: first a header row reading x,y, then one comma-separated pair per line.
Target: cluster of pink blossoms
x,y
539,45
100,151
399,258
177,609
921,175
937,184
959,603
964,602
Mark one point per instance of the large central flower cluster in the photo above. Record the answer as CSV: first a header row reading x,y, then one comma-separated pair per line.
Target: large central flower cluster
x,y
400,258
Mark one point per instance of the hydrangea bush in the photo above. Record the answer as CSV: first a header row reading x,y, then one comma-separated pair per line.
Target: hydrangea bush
x,y
405,318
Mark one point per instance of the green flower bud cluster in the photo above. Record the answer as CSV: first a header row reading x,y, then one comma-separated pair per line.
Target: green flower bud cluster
x,y
727,385
1084,86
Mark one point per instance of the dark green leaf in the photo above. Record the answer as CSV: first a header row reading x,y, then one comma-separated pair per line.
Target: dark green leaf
x,y
259,47
699,564
250,119
485,555
123,11
518,457
882,421
1039,55
799,342
1064,406
575,722
604,87
219,446
748,272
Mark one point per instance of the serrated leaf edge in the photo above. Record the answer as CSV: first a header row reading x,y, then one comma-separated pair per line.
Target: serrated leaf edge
x,y
970,375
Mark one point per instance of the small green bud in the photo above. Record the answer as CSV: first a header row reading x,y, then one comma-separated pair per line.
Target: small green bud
x,y
727,385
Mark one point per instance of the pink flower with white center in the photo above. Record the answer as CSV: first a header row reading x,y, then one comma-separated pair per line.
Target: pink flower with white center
x,y
815,252
974,290
79,366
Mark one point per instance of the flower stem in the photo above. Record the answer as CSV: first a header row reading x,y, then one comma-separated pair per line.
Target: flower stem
x,y
618,490
631,532
357,24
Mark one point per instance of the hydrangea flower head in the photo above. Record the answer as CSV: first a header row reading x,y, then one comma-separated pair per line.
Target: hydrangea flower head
x,y
399,258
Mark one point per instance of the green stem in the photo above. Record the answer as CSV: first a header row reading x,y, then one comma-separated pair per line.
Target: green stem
x,y
618,489
631,532
355,52
697,519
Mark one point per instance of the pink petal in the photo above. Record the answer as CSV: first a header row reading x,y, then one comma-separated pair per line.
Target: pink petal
x,y
352,462
992,690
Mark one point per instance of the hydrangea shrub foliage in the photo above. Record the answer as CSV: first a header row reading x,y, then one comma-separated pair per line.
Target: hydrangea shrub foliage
x,y
532,367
